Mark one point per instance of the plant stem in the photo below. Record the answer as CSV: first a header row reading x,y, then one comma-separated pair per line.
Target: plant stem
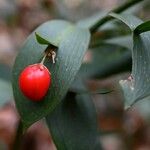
x,y
42,62
18,137
116,10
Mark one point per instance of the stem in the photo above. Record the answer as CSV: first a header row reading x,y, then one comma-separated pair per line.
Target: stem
x,y
116,10
18,137
42,62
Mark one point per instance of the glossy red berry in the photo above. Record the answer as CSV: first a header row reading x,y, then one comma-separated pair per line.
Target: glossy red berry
x,y
34,81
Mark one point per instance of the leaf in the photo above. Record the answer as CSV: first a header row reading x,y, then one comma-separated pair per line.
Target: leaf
x,y
90,21
6,93
5,72
144,27
57,29
105,60
73,124
143,109
137,86
131,21
124,41
41,40
110,26
80,90
72,43
101,91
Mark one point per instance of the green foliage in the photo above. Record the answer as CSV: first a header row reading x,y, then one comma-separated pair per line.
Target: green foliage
x,y
137,87
123,41
144,27
104,57
70,114
6,93
5,72
72,43
41,40
73,124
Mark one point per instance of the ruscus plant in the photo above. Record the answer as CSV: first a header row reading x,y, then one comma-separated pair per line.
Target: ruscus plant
x,y
54,89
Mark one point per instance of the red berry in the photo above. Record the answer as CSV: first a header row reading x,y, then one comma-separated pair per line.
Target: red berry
x,y
34,81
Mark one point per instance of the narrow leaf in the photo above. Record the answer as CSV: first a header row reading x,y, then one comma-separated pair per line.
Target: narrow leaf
x,y
72,43
144,27
73,124
131,21
90,21
41,40
57,29
6,93
137,86
124,41
5,72
105,60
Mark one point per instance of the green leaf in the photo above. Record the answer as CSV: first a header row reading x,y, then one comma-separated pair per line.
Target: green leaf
x,y
106,59
131,21
124,41
143,109
90,21
144,27
58,29
72,44
137,86
6,93
41,40
73,124
5,72
98,91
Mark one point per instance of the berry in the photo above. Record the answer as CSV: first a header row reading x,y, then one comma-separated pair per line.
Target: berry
x,y
34,81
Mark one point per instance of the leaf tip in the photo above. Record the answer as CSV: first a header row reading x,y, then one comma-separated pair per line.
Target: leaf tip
x,y
41,40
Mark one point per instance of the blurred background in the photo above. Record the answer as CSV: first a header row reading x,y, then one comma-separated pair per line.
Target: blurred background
x,y
18,18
